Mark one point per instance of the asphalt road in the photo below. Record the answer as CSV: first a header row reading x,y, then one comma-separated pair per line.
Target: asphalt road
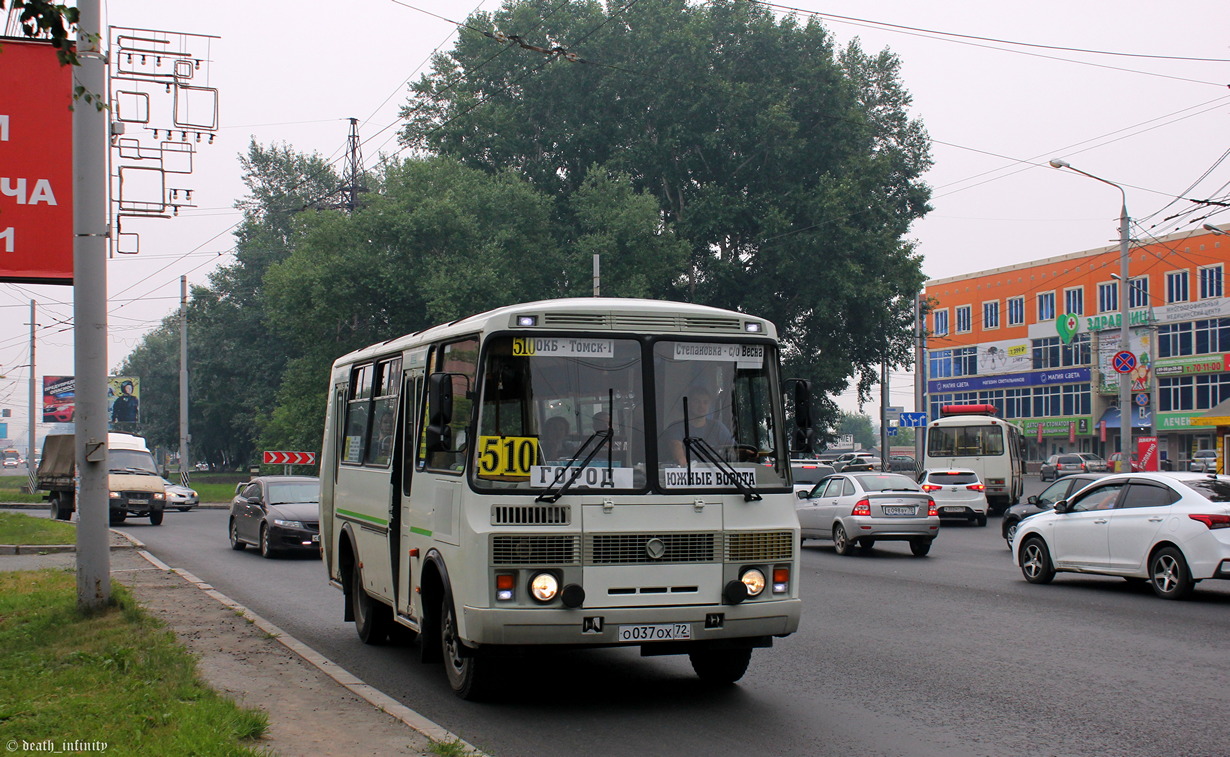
x,y
952,654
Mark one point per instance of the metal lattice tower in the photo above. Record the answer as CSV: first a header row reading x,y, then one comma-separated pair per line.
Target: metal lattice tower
x,y
354,169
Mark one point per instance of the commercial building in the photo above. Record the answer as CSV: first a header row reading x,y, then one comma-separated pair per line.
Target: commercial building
x,y
1038,341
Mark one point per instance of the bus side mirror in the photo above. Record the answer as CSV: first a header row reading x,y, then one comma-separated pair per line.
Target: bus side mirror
x,y
804,437
440,407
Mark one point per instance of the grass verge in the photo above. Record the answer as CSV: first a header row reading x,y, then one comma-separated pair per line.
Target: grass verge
x,y
20,528
115,677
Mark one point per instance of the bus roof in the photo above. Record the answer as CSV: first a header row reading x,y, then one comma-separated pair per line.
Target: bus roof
x,y
586,313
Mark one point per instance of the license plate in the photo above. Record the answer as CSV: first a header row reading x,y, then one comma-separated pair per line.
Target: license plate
x,y
656,632
138,501
899,510
954,509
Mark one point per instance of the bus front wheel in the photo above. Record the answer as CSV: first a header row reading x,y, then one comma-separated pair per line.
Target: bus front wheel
x,y
721,666
469,674
372,618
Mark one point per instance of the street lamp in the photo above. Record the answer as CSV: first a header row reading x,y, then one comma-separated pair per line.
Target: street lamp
x,y
1125,386
1214,230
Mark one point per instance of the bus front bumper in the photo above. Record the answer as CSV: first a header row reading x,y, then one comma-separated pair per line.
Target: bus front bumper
x,y
629,626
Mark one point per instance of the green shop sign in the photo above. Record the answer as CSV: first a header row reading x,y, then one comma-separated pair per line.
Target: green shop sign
x,y
1059,426
1177,421
1112,321
1184,366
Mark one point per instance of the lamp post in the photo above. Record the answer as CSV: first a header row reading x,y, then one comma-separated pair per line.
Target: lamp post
x,y
1125,386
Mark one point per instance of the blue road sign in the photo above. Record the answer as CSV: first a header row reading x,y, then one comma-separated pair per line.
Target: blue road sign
x,y
914,419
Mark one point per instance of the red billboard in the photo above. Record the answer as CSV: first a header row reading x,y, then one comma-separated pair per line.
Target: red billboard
x,y
36,164
59,398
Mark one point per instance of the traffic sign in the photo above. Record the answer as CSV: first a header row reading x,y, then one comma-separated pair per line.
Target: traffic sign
x,y
289,458
914,419
1124,361
1142,399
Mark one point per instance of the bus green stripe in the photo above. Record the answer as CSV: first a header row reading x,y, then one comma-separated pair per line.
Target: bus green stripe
x,y
361,516
419,531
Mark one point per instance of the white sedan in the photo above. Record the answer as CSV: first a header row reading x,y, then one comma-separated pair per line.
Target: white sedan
x,y
1169,529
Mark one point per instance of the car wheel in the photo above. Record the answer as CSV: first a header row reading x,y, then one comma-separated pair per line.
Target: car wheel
x,y
841,542
372,619
233,532
982,519
1010,527
1169,574
920,547
155,516
721,666
116,517
263,544
469,674
1036,562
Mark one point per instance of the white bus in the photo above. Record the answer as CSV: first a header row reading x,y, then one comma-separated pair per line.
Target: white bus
x,y
565,473
970,436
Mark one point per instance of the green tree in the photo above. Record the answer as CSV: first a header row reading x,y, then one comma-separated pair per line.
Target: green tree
x,y
860,426
791,171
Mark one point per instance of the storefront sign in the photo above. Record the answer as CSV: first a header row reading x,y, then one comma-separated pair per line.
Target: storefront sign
x,y
1185,366
1008,381
1069,426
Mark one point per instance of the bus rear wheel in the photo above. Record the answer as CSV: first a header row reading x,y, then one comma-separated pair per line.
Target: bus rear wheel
x,y
722,666
469,675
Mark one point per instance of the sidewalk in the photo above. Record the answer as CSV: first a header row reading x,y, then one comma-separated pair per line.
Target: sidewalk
x,y
314,706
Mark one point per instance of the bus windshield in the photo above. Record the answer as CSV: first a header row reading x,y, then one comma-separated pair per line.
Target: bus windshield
x,y
965,441
548,402
568,414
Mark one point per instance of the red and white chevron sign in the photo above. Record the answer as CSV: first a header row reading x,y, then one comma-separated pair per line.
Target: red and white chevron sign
x,y
289,458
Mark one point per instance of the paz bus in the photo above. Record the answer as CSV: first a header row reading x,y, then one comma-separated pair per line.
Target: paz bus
x,y
971,436
593,472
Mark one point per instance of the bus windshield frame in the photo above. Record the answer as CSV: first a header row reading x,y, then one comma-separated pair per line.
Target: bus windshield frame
x,y
584,413
973,440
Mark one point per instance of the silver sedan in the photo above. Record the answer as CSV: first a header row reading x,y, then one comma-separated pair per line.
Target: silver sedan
x,y
858,509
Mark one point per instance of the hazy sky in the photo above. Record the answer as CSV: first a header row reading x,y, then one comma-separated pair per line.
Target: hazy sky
x,y
294,72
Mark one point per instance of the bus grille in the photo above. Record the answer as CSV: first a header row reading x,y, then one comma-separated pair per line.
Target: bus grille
x,y
534,549
531,515
759,546
643,322
627,549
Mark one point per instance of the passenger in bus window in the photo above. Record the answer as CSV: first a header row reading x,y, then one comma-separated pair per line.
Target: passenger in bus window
x,y
702,424
384,438
551,440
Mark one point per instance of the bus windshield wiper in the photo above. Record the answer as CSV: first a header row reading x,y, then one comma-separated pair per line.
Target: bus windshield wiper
x,y
705,451
564,479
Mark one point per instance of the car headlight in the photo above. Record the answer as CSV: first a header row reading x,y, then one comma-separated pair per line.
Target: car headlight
x,y
544,587
160,495
113,495
754,580
288,523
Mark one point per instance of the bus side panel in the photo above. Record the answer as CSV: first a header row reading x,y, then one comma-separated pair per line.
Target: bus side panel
x,y
328,467
361,496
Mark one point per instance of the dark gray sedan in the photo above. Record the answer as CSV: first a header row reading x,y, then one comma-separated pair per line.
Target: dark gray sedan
x,y
276,514
1061,489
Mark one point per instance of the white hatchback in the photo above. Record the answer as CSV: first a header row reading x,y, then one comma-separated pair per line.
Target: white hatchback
x,y
958,493
1169,529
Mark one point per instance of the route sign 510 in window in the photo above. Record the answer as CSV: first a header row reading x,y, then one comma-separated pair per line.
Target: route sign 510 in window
x,y
36,164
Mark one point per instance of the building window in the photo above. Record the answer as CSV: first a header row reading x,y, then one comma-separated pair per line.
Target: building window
x,y
965,319
1077,352
1047,402
1046,306
1046,353
1138,292
1074,301
990,314
1212,390
1108,297
1210,282
939,320
1017,403
1176,286
1175,394
1174,339
965,361
1076,399
1016,311
1212,336
939,363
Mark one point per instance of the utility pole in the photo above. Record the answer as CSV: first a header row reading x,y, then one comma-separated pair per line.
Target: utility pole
x,y
597,275
184,437
920,376
354,165
90,315
884,412
30,429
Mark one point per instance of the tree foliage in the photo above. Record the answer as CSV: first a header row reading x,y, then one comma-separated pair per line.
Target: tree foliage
x,y
790,170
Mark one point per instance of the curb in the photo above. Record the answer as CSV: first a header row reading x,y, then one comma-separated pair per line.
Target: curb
x,y
337,673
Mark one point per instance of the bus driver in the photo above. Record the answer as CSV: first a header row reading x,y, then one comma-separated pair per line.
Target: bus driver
x,y
702,424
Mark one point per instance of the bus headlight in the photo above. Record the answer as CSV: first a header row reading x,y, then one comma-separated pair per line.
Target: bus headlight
x,y
754,580
544,587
